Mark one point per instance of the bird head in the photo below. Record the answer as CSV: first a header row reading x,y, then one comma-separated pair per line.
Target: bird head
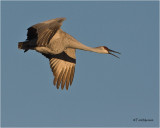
x,y
109,51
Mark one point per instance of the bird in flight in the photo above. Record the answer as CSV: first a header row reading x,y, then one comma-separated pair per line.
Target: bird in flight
x,y
59,47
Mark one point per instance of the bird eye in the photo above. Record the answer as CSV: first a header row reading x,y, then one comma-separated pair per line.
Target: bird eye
x,y
105,48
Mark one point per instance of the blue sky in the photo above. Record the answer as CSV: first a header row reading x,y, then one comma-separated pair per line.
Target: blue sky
x,y
106,91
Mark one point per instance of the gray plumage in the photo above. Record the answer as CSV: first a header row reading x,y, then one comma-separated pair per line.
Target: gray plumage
x,y
59,47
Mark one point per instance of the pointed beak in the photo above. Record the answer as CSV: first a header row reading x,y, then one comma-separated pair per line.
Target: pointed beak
x,y
109,52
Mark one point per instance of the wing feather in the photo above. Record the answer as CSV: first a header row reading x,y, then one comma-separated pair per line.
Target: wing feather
x,y
64,77
44,31
53,62
63,68
60,78
68,76
57,70
72,74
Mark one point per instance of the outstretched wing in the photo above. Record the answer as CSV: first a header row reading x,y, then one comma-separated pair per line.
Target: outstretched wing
x,y
44,31
63,67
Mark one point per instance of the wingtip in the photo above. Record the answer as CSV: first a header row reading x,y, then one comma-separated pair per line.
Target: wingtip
x,y
57,87
61,19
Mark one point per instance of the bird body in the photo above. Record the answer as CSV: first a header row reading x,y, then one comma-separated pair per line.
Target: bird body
x,y
59,47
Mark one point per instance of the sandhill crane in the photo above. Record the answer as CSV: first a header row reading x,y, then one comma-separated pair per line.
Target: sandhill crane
x,y
59,47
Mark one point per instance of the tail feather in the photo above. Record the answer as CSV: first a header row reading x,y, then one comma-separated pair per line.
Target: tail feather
x,y
24,46
20,45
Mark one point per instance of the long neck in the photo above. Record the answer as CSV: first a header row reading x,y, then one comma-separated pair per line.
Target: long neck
x,y
78,45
